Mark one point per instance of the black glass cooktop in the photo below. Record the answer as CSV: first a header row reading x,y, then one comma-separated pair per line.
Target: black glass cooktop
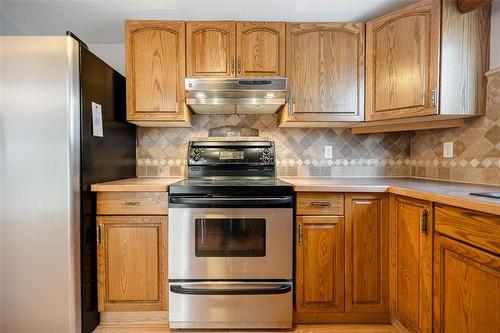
x,y
237,186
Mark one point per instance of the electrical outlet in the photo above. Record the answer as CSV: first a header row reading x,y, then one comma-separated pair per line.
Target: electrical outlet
x,y
448,149
328,152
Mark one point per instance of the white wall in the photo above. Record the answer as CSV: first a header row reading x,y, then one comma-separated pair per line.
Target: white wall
x,y
112,54
8,28
495,35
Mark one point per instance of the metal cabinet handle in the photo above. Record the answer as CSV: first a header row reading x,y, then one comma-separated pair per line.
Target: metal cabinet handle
x,y
300,234
433,97
239,65
132,203
232,65
98,234
424,225
322,203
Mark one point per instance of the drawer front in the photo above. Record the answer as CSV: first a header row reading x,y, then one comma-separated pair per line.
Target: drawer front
x,y
475,228
132,203
320,203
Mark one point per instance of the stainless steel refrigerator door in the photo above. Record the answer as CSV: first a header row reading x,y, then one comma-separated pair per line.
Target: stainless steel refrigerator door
x,y
185,264
40,184
220,305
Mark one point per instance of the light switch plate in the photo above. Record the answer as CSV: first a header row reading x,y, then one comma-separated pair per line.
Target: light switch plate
x,y
448,149
328,152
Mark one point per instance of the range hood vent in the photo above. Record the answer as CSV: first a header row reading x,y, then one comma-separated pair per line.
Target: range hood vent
x,y
235,95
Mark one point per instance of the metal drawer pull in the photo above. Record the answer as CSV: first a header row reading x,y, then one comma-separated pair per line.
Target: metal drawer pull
x,y
180,289
132,203
321,203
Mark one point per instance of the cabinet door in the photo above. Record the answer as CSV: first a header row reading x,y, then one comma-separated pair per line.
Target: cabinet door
x,y
210,48
411,262
367,253
320,264
155,55
132,263
325,69
402,62
260,49
466,287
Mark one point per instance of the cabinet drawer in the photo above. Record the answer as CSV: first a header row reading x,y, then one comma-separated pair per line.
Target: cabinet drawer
x,y
132,203
320,203
472,227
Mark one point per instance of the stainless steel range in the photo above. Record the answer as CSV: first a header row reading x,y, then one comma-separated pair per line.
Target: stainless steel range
x,y
230,239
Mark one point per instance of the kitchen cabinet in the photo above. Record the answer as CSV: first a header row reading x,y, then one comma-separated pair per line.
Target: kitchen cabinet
x,y
411,231
425,67
467,281
466,270
320,264
367,252
210,48
155,64
132,252
260,48
325,71
235,49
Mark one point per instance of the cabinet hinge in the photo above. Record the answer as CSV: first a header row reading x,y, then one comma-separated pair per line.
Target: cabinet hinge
x,y
300,234
98,234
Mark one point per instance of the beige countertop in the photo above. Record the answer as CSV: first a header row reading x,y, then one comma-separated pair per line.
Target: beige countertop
x,y
138,184
455,194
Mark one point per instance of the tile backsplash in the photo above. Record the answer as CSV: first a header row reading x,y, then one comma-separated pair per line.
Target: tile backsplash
x,y
476,146
162,151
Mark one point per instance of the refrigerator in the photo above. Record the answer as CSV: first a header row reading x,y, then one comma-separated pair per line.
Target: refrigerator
x,y
62,128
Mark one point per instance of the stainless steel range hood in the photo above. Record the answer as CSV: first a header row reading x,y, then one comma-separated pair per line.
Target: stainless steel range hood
x,y
235,95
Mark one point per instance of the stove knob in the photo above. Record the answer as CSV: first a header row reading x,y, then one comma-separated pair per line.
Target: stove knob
x,y
197,158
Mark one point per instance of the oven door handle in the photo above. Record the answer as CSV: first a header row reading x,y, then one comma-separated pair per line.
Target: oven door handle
x,y
179,289
228,200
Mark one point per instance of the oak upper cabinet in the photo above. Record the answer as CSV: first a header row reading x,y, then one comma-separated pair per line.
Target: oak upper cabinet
x,y
402,61
155,56
210,48
367,252
425,67
325,71
132,263
260,48
320,264
411,263
467,283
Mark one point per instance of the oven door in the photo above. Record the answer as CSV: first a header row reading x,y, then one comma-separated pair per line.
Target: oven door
x,y
230,243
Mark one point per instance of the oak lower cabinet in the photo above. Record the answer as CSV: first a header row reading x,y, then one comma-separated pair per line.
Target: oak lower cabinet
x,y
425,66
320,264
467,284
410,235
155,65
132,252
367,253
466,271
325,70
342,258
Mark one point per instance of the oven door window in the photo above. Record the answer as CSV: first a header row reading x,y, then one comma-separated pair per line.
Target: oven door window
x,y
227,237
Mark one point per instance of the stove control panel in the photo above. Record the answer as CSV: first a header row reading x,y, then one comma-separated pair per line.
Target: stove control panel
x,y
214,153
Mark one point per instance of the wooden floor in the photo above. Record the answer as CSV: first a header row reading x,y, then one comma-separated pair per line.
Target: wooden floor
x,y
296,329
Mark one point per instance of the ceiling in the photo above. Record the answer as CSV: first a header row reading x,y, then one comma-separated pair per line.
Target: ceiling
x,y
102,21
